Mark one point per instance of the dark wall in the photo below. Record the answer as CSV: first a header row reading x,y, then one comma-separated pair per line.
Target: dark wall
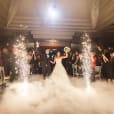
x,y
104,38
9,36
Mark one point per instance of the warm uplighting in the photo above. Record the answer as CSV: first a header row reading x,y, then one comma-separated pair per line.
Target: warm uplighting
x,y
52,41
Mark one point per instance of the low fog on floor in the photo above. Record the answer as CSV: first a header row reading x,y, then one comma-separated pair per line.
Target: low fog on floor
x,y
48,97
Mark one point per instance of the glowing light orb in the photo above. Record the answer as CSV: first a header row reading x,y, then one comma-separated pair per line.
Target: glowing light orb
x,y
53,13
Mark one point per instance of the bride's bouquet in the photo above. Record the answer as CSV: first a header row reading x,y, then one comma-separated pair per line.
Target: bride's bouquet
x,y
67,49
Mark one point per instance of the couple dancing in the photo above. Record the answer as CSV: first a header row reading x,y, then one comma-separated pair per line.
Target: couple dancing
x,y
59,74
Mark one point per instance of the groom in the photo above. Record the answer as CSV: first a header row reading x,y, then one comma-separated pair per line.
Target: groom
x,y
45,63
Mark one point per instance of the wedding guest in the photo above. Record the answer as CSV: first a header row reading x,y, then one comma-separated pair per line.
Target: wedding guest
x,y
6,60
111,77
2,73
93,64
14,70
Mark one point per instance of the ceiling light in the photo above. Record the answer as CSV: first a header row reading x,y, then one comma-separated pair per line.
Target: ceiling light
x,y
52,41
53,13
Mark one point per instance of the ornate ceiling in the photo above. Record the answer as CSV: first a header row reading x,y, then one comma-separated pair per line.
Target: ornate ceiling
x,y
73,16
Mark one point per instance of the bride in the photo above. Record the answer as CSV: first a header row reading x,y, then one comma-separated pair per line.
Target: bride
x,y
59,74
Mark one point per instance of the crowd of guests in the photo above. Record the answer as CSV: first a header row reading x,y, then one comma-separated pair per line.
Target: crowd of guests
x,y
41,62
105,58
102,62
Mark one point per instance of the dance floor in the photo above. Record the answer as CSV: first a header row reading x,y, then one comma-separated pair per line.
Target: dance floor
x,y
40,96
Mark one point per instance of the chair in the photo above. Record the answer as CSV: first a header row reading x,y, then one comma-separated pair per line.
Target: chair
x,y
97,71
3,78
77,70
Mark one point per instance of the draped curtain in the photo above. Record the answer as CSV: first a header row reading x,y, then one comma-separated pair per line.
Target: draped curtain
x,y
95,13
12,10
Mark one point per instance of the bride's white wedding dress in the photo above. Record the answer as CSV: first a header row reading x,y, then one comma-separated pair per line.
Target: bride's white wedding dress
x,y
59,75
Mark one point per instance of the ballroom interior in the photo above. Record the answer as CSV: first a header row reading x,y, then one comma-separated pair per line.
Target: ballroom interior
x,y
56,56
57,22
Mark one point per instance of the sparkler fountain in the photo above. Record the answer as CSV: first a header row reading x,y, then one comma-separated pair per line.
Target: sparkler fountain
x,y
86,49
22,62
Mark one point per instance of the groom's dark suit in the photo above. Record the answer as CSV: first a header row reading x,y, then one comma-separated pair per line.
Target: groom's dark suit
x,y
46,65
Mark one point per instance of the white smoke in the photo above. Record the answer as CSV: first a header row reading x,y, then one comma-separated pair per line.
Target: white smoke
x,y
21,58
44,97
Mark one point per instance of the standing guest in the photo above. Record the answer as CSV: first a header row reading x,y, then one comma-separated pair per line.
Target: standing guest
x,y
77,65
52,56
14,70
30,60
74,57
45,63
6,61
68,65
39,64
111,78
93,64
75,61
104,62
1,67
36,63
107,64
102,53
